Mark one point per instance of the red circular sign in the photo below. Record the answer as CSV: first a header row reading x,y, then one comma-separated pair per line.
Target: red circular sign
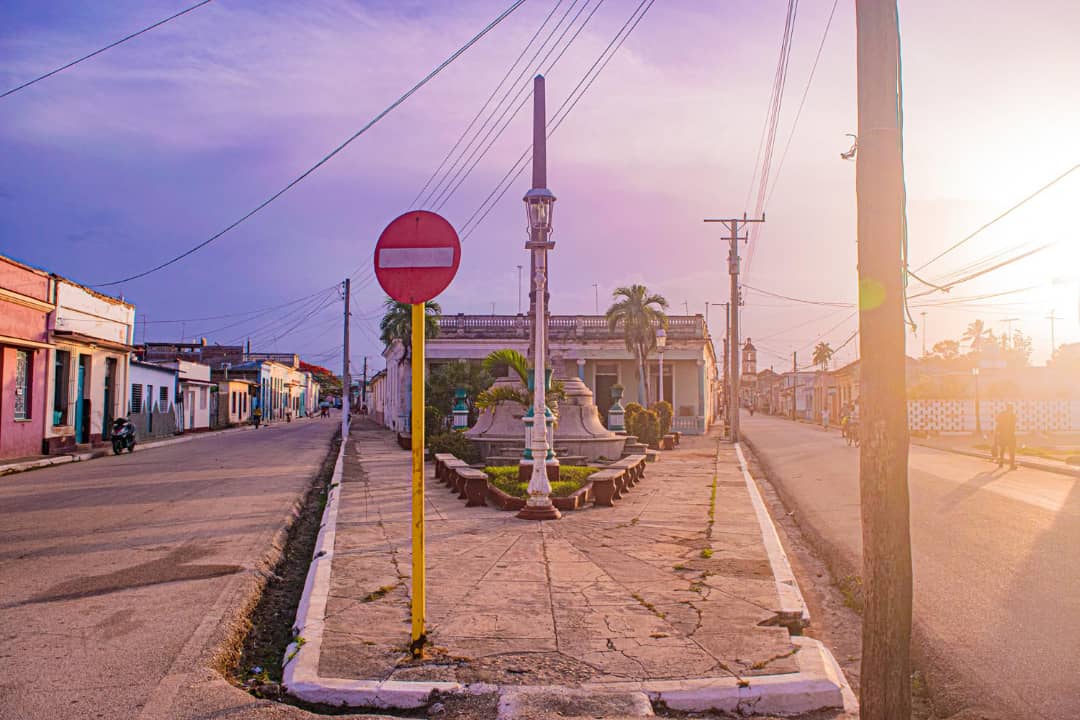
x,y
417,256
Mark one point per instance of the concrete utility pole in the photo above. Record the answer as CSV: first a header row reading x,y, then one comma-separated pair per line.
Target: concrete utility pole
x,y
596,290
1051,317
923,313
794,383
885,687
363,388
346,381
734,226
1008,331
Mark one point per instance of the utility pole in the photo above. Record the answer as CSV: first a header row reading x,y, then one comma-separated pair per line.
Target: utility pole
x,y
1008,332
734,226
923,313
596,290
794,382
1051,317
363,388
727,329
885,686
346,381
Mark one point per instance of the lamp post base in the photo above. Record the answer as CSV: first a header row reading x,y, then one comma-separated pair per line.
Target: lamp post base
x,y
539,512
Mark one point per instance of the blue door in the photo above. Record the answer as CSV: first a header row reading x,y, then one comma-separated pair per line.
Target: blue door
x,y
81,426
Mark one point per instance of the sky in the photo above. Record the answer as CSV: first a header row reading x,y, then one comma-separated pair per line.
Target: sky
x,y
140,153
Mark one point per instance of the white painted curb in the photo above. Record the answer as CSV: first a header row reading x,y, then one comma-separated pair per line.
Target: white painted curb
x,y
792,603
818,684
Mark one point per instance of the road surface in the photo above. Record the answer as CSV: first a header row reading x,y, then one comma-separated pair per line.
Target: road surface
x,y
118,573
994,553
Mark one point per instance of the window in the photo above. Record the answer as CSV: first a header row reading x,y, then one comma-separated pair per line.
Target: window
x,y
136,398
163,398
202,398
233,399
61,372
23,383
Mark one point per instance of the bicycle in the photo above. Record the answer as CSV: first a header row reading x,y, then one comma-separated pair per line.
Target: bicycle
x,y
851,433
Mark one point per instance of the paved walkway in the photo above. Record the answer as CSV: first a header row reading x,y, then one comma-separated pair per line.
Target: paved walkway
x,y
650,589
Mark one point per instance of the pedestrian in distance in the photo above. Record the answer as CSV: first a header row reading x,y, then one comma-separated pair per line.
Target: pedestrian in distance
x,y
1006,429
825,418
256,416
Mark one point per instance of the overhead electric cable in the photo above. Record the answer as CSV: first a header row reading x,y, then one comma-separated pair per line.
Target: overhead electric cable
x,y
484,107
1033,195
476,38
122,40
948,286
824,303
561,114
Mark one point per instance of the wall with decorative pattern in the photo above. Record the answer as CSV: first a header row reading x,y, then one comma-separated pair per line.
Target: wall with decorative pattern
x,y
959,415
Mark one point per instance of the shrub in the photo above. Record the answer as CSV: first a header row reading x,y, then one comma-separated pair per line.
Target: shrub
x,y
571,478
434,421
665,412
456,444
630,412
646,427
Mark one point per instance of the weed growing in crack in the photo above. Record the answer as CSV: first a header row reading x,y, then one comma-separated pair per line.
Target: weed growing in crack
x,y
707,553
376,594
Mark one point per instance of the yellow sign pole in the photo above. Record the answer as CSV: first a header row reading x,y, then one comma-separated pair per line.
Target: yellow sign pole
x,y
419,636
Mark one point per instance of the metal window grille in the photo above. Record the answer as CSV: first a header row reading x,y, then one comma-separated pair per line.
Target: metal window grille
x,y
136,398
22,385
163,399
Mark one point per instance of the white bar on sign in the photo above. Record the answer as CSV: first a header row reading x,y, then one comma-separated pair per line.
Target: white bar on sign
x,y
416,257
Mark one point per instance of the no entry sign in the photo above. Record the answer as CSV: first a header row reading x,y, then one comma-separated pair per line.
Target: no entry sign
x,y
417,256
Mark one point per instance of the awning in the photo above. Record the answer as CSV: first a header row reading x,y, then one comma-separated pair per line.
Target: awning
x,y
22,342
91,340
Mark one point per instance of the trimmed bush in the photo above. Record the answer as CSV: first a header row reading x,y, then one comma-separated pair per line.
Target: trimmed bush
x,y
456,444
646,427
664,412
630,412
434,421
505,477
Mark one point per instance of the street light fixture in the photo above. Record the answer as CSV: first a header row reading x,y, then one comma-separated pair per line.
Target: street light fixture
x,y
539,203
661,343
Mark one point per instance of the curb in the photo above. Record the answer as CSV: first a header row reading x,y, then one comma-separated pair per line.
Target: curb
x,y
819,683
1033,465
792,603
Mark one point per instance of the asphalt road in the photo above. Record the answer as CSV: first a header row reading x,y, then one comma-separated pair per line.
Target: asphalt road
x,y
119,575
997,582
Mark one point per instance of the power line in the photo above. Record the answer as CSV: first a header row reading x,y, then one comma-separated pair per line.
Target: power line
x,y
823,303
569,104
952,247
948,286
107,47
802,102
476,38
487,102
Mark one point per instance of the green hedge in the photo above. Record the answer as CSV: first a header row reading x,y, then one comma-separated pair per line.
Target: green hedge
x,y
456,444
571,478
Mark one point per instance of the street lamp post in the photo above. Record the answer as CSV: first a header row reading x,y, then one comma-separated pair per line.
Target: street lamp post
x,y
539,203
978,415
661,343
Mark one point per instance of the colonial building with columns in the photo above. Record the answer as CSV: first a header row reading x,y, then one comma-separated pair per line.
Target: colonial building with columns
x,y
580,345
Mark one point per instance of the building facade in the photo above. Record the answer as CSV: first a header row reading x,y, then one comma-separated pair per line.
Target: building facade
x,y
151,398
582,346
89,383
27,300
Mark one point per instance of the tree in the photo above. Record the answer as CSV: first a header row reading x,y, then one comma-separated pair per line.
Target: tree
x,y
640,313
822,355
977,334
513,362
396,323
1066,359
329,383
946,350
1017,353
443,380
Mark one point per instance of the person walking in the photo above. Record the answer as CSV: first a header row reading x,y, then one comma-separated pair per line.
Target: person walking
x,y
1005,429
825,418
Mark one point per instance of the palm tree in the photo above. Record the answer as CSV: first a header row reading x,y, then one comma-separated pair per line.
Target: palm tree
x,y
976,334
822,355
641,314
517,364
396,323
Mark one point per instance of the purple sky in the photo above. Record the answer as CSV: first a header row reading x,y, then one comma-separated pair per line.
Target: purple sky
x,y
150,148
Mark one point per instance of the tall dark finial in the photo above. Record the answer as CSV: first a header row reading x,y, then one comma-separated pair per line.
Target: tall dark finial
x,y
539,134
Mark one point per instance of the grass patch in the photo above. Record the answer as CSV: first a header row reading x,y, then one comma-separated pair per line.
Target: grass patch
x,y
571,479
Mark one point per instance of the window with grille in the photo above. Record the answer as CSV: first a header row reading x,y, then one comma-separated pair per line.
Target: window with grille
x,y
61,372
22,385
163,399
136,398
202,398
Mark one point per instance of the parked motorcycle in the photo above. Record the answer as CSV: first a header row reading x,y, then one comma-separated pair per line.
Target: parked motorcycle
x,y
123,436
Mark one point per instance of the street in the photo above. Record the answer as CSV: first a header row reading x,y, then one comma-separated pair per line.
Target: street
x,y
119,574
997,588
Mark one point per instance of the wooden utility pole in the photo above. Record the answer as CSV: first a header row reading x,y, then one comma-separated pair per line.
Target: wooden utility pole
x,y
734,226
1051,317
346,381
885,686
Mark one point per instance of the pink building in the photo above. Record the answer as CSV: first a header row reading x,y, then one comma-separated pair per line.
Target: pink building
x,y
26,299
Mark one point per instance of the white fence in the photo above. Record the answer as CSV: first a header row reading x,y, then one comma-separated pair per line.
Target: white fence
x,y
959,415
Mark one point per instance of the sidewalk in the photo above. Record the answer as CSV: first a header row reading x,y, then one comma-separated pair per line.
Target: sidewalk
x,y
649,600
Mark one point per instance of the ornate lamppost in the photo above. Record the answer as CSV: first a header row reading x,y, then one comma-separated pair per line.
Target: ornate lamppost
x,y
539,203
661,343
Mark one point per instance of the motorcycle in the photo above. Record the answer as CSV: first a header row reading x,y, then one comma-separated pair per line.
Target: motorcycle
x,y
123,436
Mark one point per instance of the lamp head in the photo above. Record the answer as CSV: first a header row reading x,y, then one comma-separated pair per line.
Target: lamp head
x,y
539,203
661,338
